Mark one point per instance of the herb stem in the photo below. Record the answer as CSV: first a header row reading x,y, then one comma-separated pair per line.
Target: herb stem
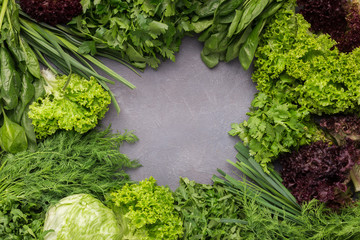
x,y
2,13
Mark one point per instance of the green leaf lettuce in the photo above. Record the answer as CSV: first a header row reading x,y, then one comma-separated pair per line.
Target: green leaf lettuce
x,y
78,105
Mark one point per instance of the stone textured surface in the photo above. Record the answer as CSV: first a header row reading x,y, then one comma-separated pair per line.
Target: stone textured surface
x,y
181,113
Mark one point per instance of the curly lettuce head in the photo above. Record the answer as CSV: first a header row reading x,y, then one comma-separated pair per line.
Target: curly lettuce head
x,y
146,211
79,106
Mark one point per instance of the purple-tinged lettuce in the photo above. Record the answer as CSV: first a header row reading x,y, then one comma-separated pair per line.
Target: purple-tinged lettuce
x,y
52,11
320,171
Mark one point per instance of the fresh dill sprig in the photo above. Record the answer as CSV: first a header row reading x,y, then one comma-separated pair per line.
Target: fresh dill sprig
x,y
67,163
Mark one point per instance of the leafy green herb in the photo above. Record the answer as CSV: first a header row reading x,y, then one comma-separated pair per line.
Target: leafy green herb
x,y
275,127
20,221
64,164
142,32
207,211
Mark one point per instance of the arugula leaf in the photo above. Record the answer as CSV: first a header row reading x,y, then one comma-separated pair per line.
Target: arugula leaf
x,y
208,211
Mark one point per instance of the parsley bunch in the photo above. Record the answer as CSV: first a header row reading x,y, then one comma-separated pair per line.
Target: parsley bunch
x,y
142,31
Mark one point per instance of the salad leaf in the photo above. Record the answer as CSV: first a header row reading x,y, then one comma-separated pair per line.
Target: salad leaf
x,y
146,211
78,106
320,171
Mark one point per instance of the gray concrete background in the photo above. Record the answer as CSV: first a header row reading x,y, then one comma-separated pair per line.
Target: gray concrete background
x,y
181,113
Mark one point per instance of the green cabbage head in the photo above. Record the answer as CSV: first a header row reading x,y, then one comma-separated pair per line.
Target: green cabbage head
x,y
81,217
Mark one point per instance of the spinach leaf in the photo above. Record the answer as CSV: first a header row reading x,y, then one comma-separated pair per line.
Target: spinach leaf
x,y
12,136
26,123
247,51
31,60
10,80
27,94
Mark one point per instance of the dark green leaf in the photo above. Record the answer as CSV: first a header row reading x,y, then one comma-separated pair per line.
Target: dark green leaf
x,y
87,47
247,51
252,10
228,6
12,136
30,58
26,123
208,9
201,25
234,24
10,80
233,50
210,60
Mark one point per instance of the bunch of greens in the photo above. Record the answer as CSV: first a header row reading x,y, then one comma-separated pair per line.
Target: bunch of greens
x,y
142,32
20,221
19,82
270,211
64,164
298,74
319,78
146,211
264,188
71,102
56,45
275,126
231,29
207,211
319,171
